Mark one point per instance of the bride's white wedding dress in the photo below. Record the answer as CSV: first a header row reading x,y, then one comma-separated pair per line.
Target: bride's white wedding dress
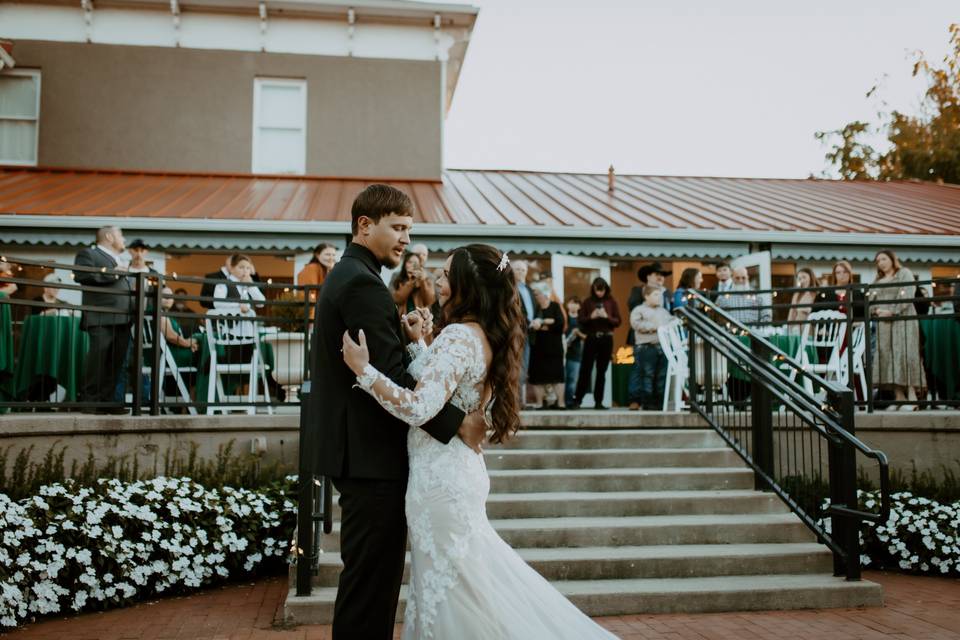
x,y
465,582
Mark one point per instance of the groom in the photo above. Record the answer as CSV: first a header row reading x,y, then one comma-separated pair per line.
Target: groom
x,y
362,447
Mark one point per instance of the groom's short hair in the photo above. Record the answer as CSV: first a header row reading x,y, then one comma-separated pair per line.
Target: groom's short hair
x,y
379,200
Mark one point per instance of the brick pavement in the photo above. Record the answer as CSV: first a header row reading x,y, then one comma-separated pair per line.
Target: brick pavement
x,y
921,608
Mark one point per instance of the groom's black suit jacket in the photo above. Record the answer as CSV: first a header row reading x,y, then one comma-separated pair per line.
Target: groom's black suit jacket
x,y
358,438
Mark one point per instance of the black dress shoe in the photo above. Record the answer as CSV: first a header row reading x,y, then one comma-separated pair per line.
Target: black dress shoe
x,y
112,411
600,407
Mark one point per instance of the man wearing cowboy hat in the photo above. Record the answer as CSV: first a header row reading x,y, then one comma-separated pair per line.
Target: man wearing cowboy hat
x,y
653,275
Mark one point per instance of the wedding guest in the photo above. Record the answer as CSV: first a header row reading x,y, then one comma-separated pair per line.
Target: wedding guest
x,y
897,365
211,281
315,271
652,274
741,303
801,303
231,299
189,326
411,288
51,295
724,279
6,271
546,353
690,280
520,268
109,332
599,316
836,298
647,380
180,345
574,346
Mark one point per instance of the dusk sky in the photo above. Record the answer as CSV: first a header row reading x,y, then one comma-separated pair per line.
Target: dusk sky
x,y
688,87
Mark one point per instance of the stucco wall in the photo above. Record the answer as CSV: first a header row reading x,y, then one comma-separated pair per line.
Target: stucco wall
x,y
162,108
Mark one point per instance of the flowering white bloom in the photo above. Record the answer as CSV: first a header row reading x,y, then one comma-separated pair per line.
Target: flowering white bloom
x,y
117,541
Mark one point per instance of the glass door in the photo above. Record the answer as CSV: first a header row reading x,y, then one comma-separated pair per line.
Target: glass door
x,y
572,276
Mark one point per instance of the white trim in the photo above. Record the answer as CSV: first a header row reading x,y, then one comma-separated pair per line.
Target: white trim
x,y
490,231
258,85
35,73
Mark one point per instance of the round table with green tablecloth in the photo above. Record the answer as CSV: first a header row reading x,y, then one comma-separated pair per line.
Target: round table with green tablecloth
x,y
941,353
52,346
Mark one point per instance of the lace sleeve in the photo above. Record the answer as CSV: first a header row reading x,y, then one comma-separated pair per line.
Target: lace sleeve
x,y
450,357
414,349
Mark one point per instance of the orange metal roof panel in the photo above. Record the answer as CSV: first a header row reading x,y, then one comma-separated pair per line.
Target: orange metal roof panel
x,y
516,198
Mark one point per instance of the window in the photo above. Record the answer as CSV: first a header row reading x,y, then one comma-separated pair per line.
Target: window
x,y
279,126
19,116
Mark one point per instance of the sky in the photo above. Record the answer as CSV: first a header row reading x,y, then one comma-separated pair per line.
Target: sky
x,y
682,87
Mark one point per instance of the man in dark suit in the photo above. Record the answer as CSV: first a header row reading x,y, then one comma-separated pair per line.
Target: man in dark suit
x,y
206,290
109,331
362,447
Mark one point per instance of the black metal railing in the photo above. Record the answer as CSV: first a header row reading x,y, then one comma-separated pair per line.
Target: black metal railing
x,y
234,346
795,429
315,499
876,311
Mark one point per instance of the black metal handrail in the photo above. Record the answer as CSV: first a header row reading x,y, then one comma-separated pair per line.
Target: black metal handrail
x,y
830,423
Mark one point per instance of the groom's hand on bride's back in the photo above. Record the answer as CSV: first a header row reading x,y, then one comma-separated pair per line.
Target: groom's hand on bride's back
x,y
473,430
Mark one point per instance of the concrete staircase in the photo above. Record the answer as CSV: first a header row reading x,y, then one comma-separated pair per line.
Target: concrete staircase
x,y
627,521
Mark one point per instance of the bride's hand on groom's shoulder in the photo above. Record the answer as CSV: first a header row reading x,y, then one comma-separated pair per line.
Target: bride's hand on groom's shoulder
x,y
355,354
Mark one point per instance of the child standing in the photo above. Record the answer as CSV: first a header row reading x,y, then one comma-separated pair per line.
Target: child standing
x,y
649,363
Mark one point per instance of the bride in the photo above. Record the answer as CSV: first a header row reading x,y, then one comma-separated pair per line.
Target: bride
x,y
466,582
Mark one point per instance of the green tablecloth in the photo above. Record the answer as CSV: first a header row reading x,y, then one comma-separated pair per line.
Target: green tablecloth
x,y
941,352
621,384
786,343
6,352
53,346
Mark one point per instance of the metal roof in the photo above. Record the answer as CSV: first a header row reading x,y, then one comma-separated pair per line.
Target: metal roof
x,y
519,200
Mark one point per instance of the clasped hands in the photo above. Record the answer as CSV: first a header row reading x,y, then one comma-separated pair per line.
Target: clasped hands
x,y
416,324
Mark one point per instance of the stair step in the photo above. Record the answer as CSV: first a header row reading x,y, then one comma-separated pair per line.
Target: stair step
x,y
556,504
630,503
657,561
640,530
612,438
610,458
648,479
650,596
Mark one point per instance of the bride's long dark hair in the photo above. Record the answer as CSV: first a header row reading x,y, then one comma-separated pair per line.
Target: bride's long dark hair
x,y
481,292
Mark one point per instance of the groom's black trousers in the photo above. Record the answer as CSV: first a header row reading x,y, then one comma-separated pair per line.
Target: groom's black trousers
x,y
373,541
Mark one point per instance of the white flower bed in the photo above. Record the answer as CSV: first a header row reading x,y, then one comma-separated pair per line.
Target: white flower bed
x,y
73,547
920,536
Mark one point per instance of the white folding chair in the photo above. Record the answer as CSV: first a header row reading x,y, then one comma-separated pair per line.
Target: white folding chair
x,y
168,366
859,346
674,348
228,331
824,330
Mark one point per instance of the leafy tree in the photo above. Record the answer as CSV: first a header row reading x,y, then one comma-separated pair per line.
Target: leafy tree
x,y
925,146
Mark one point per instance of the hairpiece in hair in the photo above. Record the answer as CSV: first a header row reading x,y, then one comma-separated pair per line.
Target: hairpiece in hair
x,y
504,261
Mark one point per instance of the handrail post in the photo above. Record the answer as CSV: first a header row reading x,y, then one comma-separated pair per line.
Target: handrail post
x,y
139,314
868,349
761,417
851,376
305,494
691,366
155,381
707,376
846,476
